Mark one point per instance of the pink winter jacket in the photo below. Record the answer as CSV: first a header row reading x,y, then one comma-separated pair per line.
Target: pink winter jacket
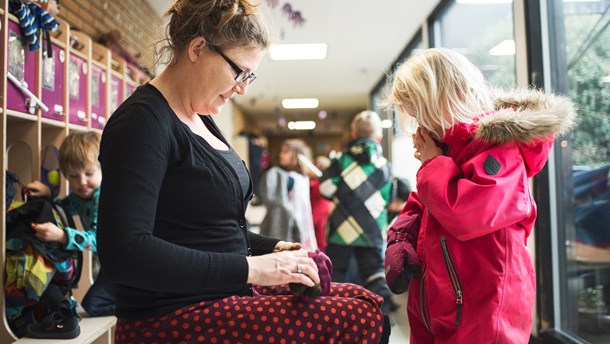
x,y
477,282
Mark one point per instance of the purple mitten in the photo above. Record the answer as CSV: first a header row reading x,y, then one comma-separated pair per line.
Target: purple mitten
x,y
325,271
405,228
400,263
400,257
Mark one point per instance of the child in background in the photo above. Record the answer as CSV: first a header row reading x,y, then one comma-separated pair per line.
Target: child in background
x,y
320,206
78,163
358,182
400,193
473,212
284,191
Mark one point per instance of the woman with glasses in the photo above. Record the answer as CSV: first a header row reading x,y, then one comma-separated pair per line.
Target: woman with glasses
x,y
172,229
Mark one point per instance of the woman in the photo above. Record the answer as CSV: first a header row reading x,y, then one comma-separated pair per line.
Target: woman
x,y
172,231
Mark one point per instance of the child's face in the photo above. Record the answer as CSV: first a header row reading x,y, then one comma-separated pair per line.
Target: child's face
x,y
85,181
286,157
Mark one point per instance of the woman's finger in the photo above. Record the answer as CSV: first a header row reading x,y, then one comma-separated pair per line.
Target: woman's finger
x,y
308,268
305,275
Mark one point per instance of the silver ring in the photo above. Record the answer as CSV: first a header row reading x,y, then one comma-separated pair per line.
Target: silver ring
x,y
299,268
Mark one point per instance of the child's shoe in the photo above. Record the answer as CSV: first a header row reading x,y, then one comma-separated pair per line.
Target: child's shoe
x,y
55,326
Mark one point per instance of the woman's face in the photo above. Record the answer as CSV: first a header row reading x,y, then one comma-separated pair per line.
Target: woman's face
x,y
217,77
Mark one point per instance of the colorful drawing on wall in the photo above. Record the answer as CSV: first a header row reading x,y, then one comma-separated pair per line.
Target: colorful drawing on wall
x,y
74,78
114,97
48,72
95,90
16,57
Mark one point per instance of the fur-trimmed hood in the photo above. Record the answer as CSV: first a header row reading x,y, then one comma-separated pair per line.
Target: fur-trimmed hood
x,y
526,116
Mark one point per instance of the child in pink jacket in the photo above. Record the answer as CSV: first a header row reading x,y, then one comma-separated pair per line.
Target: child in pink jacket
x,y
463,234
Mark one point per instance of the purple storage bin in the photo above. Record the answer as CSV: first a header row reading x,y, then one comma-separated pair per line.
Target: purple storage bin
x,y
98,97
116,93
77,90
53,84
22,65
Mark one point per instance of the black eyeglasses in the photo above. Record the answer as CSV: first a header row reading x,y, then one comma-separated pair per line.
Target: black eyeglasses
x,y
242,75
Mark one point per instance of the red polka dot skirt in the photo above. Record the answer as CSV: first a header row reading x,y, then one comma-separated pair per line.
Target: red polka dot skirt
x,y
348,314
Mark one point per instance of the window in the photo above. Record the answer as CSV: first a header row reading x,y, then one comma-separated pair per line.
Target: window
x,y
403,162
483,32
580,57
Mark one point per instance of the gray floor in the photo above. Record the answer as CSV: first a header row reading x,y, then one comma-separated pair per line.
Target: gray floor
x,y
400,330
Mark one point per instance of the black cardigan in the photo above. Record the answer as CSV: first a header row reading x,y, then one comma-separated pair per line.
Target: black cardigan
x,y
172,229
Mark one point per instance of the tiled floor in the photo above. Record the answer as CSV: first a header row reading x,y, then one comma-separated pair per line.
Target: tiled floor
x,y
400,330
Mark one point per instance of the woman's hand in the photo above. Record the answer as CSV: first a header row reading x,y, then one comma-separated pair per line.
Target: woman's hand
x,y
38,189
425,146
49,232
282,268
287,246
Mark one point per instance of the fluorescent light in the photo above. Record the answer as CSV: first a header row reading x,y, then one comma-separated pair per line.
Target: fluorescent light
x,y
300,103
387,123
316,51
301,125
484,1
506,47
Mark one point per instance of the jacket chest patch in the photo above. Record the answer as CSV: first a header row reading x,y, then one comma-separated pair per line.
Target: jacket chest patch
x,y
492,166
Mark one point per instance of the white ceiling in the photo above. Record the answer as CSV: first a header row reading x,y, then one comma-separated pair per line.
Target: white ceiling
x,y
364,38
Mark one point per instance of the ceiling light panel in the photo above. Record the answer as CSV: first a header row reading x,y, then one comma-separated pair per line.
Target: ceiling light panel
x,y
300,103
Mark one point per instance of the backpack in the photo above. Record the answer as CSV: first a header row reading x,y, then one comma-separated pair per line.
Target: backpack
x,y
11,191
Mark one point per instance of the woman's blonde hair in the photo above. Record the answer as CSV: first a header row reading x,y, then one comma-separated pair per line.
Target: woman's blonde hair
x,y
222,23
79,150
439,88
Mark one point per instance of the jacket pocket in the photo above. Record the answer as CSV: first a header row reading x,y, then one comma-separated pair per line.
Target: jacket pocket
x,y
454,278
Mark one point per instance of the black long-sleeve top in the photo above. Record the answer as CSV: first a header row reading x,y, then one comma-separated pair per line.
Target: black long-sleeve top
x,y
172,228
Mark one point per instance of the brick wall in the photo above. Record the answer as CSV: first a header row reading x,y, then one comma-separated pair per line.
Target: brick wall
x,y
135,19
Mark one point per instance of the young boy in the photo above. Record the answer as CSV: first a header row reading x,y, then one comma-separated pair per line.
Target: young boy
x,y
78,163
359,184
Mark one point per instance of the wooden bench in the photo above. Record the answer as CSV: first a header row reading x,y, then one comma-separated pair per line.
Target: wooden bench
x,y
97,330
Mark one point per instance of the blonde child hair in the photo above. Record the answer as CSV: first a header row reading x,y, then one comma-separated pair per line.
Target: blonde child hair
x,y
79,150
367,124
439,88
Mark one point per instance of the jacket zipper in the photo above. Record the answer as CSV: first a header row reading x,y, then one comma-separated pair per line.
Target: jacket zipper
x,y
423,277
455,280
421,301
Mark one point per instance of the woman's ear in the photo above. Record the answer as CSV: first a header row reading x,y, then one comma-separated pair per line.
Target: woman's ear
x,y
196,47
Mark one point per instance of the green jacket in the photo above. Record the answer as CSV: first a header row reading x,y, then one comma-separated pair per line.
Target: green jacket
x,y
359,184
